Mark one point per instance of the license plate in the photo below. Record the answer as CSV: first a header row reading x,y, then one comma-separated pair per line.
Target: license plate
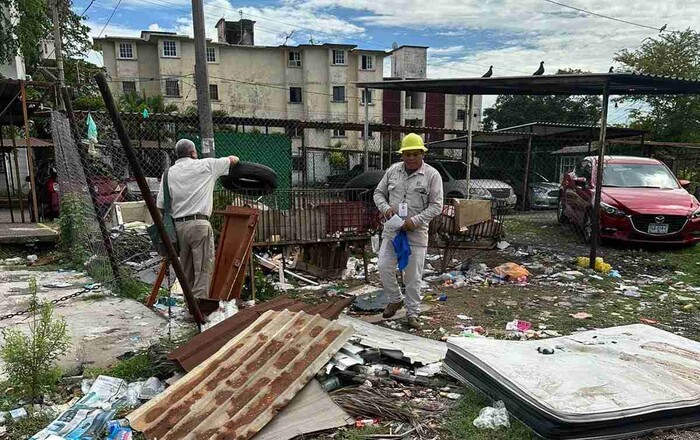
x,y
658,228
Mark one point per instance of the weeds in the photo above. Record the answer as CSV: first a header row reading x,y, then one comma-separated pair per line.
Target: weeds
x,y
25,428
30,359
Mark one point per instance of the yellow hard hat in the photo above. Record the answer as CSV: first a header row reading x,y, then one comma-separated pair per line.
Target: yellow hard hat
x,y
412,142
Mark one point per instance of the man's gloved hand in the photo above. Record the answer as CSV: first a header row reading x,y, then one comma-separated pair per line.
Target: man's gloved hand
x,y
408,225
234,160
389,213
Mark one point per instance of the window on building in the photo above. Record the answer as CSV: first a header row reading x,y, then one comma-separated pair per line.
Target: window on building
x,y
338,93
567,164
374,161
413,100
126,51
128,87
169,48
295,94
211,55
294,132
172,87
338,57
214,92
367,62
414,122
370,135
294,59
366,96
298,163
460,114
338,132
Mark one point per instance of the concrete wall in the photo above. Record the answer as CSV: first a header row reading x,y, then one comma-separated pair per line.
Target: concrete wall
x,y
409,62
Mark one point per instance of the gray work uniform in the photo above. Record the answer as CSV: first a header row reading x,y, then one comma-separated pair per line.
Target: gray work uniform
x,y
422,191
191,183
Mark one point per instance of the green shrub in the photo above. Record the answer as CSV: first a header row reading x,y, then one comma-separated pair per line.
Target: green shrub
x,y
74,228
30,359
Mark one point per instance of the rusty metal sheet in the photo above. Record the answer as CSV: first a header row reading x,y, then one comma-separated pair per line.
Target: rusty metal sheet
x,y
233,252
199,348
238,390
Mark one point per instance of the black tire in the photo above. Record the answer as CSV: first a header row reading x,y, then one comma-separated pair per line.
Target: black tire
x,y
365,184
561,216
249,177
587,228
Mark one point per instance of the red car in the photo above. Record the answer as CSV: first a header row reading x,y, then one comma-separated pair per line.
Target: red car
x,y
641,202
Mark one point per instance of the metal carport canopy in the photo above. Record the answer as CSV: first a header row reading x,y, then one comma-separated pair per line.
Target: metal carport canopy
x,y
570,84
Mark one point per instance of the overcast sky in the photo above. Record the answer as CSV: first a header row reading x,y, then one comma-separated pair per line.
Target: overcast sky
x,y
465,37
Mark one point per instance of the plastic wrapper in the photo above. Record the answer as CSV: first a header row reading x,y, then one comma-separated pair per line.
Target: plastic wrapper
x,y
493,417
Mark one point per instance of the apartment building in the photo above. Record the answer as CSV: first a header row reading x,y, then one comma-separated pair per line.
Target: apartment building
x,y
423,109
306,82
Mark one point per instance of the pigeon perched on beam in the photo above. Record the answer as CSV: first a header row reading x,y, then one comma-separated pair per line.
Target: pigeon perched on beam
x,y
540,71
488,73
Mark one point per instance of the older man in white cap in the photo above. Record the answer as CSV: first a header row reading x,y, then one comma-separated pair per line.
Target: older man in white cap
x,y
191,182
412,190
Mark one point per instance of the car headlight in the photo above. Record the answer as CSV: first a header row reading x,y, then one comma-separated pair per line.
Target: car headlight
x,y
696,214
540,191
611,210
479,192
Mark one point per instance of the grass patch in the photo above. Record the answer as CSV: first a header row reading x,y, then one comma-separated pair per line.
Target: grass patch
x,y
458,424
360,433
685,260
25,428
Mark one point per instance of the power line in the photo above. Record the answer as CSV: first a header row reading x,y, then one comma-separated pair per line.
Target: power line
x,y
86,8
110,18
606,16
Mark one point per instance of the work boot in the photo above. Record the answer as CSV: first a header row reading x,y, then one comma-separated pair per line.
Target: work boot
x,y
414,322
391,309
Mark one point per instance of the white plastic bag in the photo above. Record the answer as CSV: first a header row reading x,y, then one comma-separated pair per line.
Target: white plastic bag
x,y
493,417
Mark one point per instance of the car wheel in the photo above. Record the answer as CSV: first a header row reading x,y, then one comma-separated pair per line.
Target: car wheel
x,y
587,228
561,209
248,177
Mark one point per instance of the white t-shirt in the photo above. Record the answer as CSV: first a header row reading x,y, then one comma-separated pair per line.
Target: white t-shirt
x,y
191,183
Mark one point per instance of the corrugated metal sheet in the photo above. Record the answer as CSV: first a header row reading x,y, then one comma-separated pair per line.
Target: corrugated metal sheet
x,y
237,391
199,348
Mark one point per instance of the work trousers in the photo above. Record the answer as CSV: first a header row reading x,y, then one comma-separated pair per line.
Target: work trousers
x,y
412,276
196,241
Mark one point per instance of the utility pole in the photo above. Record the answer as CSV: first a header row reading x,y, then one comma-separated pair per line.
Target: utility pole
x,y
201,76
58,53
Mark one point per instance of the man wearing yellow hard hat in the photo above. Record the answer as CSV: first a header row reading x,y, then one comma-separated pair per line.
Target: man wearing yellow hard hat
x,y
412,191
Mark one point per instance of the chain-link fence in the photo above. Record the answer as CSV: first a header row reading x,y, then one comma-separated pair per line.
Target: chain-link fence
x,y
323,192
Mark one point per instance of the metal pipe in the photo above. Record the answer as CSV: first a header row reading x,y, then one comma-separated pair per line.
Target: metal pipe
x,y
366,157
19,178
469,145
291,274
595,221
30,154
106,241
5,172
147,196
526,177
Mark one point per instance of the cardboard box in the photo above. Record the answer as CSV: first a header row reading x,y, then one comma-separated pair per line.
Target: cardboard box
x,y
469,212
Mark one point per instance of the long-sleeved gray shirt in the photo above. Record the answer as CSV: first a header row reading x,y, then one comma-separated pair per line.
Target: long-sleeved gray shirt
x,y
422,191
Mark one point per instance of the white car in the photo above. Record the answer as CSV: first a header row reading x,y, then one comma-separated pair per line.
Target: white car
x,y
454,178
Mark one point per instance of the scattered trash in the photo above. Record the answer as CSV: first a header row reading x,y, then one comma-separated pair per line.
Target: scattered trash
x,y
11,261
511,271
581,315
18,414
632,293
502,245
350,271
119,430
443,297
451,396
493,417
226,310
31,259
600,265
58,285
361,423
429,370
648,321
517,325
545,350
615,274
464,317
151,388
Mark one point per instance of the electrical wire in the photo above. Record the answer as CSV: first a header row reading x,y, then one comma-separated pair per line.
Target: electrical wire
x,y
606,16
86,8
110,18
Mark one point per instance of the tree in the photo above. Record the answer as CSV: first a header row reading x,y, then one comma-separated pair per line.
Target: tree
x,y
513,110
24,23
667,118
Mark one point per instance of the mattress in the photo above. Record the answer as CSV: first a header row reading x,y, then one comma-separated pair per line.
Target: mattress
x,y
602,384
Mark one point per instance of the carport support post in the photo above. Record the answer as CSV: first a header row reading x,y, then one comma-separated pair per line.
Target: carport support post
x,y
526,177
468,159
7,180
366,136
595,221
19,178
